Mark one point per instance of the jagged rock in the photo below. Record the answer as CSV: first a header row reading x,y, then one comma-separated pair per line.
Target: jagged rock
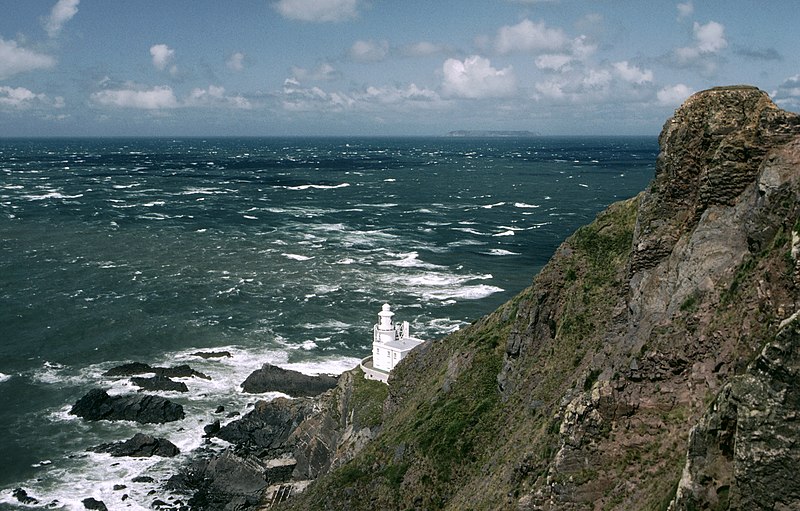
x,y
22,496
136,368
98,405
140,445
743,453
159,383
268,426
212,429
92,503
271,378
228,481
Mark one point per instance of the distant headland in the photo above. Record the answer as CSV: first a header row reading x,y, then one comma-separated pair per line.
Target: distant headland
x,y
492,133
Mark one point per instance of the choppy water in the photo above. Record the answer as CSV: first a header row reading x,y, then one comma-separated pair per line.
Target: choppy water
x,y
146,250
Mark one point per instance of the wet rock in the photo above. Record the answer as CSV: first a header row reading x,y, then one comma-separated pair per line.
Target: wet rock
x,y
92,503
143,479
145,409
268,426
159,383
22,496
136,368
271,378
212,354
211,429
140,445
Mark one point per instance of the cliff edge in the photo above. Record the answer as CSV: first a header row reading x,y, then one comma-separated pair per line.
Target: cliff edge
x,y
652,364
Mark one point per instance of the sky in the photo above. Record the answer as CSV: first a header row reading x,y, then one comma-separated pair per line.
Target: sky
x,y
380,67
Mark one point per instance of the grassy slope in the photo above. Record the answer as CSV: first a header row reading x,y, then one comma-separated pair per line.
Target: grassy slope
x,y
449,440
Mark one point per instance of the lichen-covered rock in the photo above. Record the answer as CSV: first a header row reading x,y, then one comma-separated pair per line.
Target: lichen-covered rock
x,y
745,451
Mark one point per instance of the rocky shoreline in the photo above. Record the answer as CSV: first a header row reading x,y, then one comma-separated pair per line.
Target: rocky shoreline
x,y
262,442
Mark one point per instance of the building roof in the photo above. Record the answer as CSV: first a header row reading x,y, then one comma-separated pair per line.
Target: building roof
x,y
404,344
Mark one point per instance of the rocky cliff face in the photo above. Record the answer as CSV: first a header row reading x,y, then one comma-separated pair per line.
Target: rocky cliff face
x,y
651,365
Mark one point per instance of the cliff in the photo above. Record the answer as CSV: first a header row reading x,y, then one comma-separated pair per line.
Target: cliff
x,y
652,364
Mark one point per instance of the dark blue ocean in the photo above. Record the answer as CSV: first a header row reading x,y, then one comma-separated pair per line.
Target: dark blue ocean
x,y
276,250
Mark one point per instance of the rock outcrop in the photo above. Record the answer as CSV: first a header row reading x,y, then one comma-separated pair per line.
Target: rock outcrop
x,y
285,441
272,378
140,446
591,388
98,405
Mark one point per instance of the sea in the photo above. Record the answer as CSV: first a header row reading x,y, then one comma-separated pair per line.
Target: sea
x,y
278,250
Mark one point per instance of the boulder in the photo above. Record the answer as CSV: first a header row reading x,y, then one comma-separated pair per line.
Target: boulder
x,y
159,383
92,503
139,446
22,496
142,408
271,378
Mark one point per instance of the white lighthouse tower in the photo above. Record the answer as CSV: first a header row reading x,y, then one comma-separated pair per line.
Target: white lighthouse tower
x,y
390,344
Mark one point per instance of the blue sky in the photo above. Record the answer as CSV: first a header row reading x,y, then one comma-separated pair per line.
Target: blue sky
x,y
380,67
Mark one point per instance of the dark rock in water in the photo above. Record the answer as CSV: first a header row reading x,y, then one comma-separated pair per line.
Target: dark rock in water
x,y
145,409
212,429
181,371
22,496
129,369
271,378
228,481
219,409
159,382
268,426
158,503
143,479
140,445
118,487
136,368
92,503
212,354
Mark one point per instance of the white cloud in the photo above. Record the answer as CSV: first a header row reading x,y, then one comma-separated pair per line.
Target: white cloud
x,y
632,74
15,60
528,36
235,62
61,13
709,39
322,72
685,10
162,55
304,99
19,97
393,95
788,93
554,61
476,78
369,51
673,95
153,99
318,11
215,96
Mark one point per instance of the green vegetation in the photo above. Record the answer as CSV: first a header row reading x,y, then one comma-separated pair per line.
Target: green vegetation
x,y
367,400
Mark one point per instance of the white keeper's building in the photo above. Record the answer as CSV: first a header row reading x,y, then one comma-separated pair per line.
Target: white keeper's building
x,y
390,344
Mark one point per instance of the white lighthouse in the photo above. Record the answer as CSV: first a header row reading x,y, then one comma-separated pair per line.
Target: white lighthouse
x,y
390,344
